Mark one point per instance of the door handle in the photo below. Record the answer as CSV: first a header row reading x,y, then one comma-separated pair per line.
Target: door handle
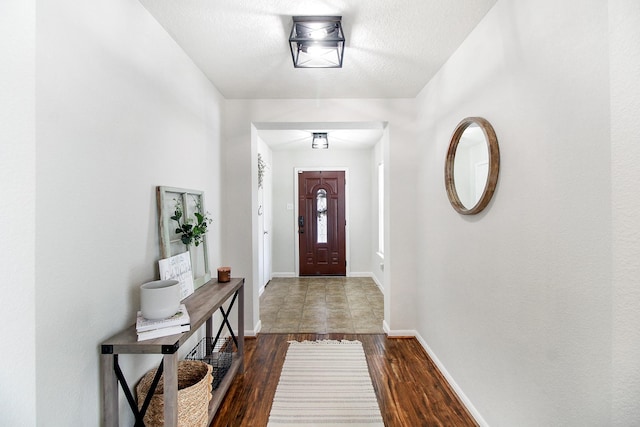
x,y
301,223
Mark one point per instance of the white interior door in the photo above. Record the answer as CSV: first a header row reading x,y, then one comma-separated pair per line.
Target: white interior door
x,y
261,237
266,236
264,230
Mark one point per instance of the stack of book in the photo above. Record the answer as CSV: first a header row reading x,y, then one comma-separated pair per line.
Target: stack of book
x,y
176,324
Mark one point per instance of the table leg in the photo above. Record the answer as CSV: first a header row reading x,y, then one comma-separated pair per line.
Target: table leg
x,y
241,328
209,328
110,409
171,389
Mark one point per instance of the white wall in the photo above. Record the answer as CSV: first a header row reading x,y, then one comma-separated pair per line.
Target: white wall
x,y
240,148
121,109
516,301
358,163
17,217
624,32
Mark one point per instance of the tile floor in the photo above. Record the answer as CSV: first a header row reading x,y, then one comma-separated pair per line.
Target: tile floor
x,y
322,305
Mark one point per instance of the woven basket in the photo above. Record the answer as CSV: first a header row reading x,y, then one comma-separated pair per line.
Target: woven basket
x,y
194,394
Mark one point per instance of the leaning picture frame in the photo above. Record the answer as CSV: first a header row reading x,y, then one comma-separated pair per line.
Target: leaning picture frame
x,y
171,243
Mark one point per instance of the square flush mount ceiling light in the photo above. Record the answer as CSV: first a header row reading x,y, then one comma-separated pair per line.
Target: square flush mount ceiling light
x,y
317,42
320,140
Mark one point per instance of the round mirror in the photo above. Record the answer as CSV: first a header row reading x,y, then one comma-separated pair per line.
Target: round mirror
x,y
472,165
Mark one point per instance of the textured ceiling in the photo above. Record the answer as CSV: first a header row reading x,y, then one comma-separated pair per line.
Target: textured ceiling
x,y
393,47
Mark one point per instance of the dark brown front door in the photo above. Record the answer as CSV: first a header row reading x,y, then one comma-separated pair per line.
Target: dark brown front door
x,y
321,223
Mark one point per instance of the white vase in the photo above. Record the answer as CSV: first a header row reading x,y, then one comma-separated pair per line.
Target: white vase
x,y
159,299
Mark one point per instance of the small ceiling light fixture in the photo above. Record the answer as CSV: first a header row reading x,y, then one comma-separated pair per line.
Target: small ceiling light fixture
x,y
320,140
317,41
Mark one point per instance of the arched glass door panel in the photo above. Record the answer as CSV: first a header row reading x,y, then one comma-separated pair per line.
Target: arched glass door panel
x,y
321,208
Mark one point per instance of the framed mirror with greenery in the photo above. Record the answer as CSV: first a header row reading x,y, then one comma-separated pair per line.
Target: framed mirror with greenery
x,y
183,228
472,166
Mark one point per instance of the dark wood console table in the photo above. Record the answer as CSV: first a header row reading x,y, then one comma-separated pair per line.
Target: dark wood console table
x,y
201,305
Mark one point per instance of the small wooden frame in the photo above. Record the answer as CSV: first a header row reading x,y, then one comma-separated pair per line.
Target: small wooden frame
x,y
494,166
170,243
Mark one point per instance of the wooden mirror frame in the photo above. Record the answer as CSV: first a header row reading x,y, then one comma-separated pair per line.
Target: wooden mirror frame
x,y
494,166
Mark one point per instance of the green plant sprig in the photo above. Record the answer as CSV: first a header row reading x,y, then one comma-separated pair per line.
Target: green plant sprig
x,y
188,231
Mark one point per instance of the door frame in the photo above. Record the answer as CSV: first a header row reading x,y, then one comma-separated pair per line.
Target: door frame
x,y
294,221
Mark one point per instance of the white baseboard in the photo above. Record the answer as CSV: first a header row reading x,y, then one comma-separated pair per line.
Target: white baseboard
x,y
399,332
369,275
283,274
456,388
385,327
358,274
255,331
377,282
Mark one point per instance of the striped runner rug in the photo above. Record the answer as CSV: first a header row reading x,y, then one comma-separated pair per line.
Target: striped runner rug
x,y
325,383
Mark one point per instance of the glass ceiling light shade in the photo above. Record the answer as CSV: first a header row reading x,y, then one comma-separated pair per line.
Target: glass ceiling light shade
x,y
320,140
317,41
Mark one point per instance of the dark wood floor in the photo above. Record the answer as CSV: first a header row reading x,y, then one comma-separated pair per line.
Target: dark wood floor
x,y
410,389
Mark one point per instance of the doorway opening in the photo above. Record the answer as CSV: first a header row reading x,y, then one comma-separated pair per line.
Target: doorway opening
x,y
283,211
